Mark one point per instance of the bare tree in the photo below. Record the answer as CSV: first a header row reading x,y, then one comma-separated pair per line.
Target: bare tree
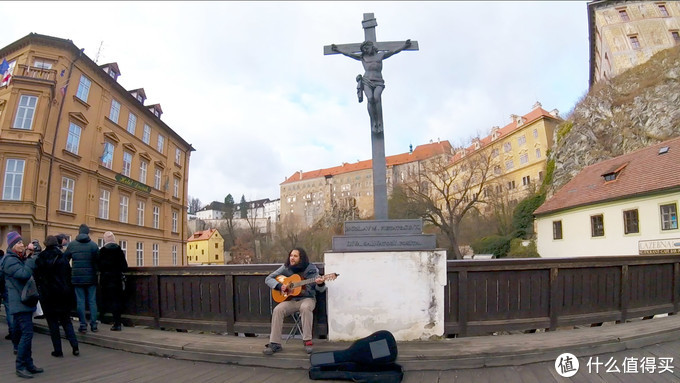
x,y
229,234
194,205
444,192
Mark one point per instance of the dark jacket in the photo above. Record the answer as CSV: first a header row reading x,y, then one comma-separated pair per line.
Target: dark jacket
x,y
310,272
16,272
112,265
83,252
53,275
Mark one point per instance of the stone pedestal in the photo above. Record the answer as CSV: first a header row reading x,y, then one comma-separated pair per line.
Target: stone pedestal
x,y
398,291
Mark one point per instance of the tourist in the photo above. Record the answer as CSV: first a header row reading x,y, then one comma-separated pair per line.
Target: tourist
x,y
112,265
83,254
17,269
53,275
296,263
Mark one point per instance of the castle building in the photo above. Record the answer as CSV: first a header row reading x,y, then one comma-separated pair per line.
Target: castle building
x,y
624,34
76,147
306,197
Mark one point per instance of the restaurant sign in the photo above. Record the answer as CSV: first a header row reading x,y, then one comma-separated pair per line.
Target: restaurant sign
x,y
132,183
659,246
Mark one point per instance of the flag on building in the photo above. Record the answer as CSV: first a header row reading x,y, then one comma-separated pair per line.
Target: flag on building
x,y
4,66
6,70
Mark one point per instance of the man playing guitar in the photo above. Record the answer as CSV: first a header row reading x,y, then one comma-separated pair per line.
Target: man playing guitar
x,y
304,302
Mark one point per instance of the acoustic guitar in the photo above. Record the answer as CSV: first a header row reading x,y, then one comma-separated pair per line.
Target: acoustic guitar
x,y
295,284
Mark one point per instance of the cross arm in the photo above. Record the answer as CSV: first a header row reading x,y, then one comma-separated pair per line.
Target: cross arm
x,y
381,46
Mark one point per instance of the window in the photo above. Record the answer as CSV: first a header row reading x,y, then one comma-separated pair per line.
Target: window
x,y
511,185
523,159
146,137
669,217
526,180
42,64
112,73
157,179
104,196
178,156
557,229
132,124
662,10
123,210
127,163
507,147
538,153
174,255
83,88
597,225
115,111
624,15
100,242
143,165
521,140
634,42
156,216
14,177
535,133
509,165
175,188
216,245
495,152
497,170
140,253
140,212
631,223
25,112
107,157
73,140
540,175
175,217
123,246
66,197
676,36
160,144
154,254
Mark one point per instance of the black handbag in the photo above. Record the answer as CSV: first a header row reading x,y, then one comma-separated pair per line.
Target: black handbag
x,y
29,294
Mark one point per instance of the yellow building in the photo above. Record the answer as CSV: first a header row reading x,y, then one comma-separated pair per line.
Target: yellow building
x,y
517,156
307,196
205,248
624,34
76,147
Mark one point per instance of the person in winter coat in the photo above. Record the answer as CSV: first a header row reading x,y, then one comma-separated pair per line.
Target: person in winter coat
x,y
297,263
112,265
83,254
17,269
5,302
53,276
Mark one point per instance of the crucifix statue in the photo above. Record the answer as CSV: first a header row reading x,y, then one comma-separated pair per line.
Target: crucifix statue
x,y
371,54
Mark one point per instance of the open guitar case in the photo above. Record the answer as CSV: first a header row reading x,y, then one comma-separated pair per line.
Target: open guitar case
x,y
369,360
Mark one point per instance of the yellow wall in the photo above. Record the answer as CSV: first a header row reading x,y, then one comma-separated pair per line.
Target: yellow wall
x,y
206,252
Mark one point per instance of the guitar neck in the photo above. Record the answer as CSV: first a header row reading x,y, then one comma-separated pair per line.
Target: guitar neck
x,y
306,281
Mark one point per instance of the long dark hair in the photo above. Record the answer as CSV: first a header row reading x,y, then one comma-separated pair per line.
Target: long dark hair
x,y
304,260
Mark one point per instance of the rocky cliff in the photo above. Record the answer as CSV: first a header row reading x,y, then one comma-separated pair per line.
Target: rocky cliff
x,y
638,108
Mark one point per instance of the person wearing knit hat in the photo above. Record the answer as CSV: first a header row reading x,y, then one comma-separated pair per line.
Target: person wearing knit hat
x,y
83,256
112,265
17,269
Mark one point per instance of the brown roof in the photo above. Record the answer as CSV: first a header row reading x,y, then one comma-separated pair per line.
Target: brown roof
x,y
201,235
639,173
420,153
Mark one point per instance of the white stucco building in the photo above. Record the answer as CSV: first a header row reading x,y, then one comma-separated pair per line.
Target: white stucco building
x,y
626,205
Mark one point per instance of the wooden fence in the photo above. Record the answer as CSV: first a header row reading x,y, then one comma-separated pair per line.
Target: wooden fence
x,y
481,297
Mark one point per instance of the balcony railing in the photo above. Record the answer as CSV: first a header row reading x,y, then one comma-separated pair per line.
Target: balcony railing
x,y
481,297
28,72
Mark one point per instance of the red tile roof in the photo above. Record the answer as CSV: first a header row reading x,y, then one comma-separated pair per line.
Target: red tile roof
x,y
421,152
641,172
201,235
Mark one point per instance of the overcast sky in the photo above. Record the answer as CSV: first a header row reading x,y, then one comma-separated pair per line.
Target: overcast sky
x,y
247,84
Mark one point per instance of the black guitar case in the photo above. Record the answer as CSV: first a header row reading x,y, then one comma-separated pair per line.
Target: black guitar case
x,y
370,360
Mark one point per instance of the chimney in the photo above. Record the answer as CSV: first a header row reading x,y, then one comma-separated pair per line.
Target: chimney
x,y
555,113
536,106
300,174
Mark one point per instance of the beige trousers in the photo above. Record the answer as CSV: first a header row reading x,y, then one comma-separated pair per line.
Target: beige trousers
x,y
304,306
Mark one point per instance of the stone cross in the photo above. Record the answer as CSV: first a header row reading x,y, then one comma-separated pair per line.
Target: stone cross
x,y
387,49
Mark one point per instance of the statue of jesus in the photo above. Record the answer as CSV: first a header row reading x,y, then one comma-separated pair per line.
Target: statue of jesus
x,y
372,83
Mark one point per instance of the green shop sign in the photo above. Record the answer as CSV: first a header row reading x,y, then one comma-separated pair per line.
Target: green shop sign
x,y
132,183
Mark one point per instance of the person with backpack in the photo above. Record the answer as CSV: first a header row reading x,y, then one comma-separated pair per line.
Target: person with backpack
x,y
83,254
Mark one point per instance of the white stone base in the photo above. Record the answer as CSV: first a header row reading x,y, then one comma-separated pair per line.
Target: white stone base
x,y
398,291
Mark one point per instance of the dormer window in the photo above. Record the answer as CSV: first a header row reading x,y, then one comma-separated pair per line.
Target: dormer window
x,y
140,98
609,176
613,173
112,74
112,70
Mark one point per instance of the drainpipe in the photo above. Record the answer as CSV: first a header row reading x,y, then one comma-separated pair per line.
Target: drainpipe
x,y
54,141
